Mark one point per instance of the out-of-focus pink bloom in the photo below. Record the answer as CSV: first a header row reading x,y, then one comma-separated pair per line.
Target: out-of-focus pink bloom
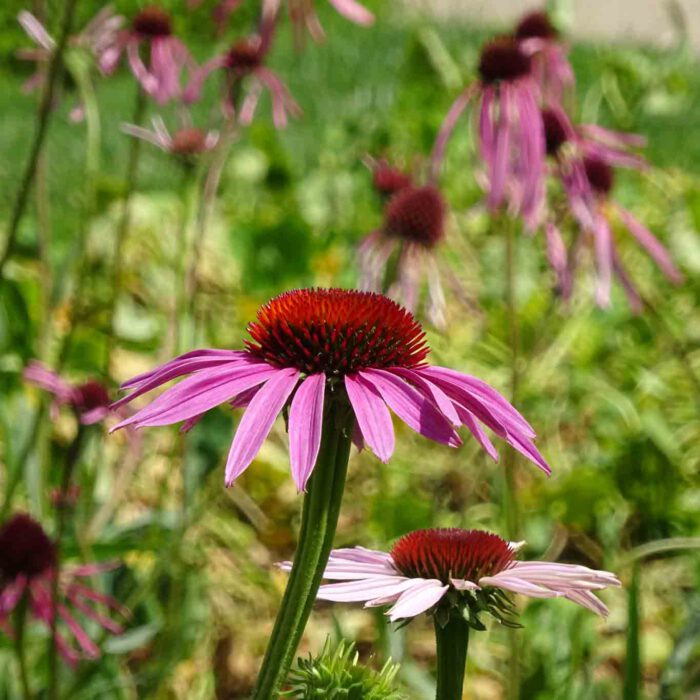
x,y
314,345
453,569
160,76
414,225
540,39
386,178
97,36
186,142
27,572
584,158
89,400
511,135
246,59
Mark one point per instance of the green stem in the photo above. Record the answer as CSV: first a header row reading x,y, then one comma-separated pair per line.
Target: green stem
x,y
20,616
52,79
510,500
319,520
452,643
62,508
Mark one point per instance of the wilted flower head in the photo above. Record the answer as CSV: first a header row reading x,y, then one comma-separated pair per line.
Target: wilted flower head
x,y
511,139
454,571
27,571
246,59
90,400
187,142
540,39
151,32
312,346
584,159
414,225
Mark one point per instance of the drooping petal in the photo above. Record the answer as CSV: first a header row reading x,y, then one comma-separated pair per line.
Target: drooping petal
x,y
258,419
373,417
364,590
421,596
353,11
603,244
305,421
418,412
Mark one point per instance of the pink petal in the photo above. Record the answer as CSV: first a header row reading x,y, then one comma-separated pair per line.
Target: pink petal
x,y
463,584
412,407
446,129
517,585
603,244
432,391
305,422
372,416
367,589
258,419
476,430
423,594
353,11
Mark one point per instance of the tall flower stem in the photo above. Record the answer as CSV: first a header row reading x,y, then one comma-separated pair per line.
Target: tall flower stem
x,y
124,222
53,75
20,616
510,499
62,507
452,643
319,520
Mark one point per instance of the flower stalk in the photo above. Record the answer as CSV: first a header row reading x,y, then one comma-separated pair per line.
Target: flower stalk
x,y
319,520
20,617
452,642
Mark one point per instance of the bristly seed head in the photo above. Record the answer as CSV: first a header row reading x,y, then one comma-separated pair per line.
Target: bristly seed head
x,y
337,332
25,549
600,175
388,180
152,22
416,215
189,141
244,56
90,395
447,553
503,59
555,133
536,25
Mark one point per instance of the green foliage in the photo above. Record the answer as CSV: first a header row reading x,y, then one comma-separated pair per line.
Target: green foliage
x,y
336,674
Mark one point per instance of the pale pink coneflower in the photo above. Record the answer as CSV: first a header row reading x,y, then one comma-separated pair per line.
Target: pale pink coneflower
x,y
584,160
27,573
89,400
540,39
246,59
187,142
510,131
314,346
161,74
95,38
414,227
446,570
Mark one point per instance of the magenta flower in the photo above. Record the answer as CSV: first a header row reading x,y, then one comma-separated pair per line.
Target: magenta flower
x,y
160,76
584,159
539,38
27,571
511,135
89,400
186,142
311,346
427,570
414,224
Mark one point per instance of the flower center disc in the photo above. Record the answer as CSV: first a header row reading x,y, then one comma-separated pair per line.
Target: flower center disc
x,y
600,175
244,56
536,25
152,22
336,331
417,215
90,395
189,141
503,59
554,131
446,553
24,548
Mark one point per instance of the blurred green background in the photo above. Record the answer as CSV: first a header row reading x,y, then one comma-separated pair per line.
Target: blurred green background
x,y
613,396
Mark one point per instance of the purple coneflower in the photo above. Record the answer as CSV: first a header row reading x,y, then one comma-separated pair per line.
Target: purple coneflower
x,y
187,142
414,224
27,572
151,30
312,345
511,135
455,568
540,39
89,400
584,159
246,59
